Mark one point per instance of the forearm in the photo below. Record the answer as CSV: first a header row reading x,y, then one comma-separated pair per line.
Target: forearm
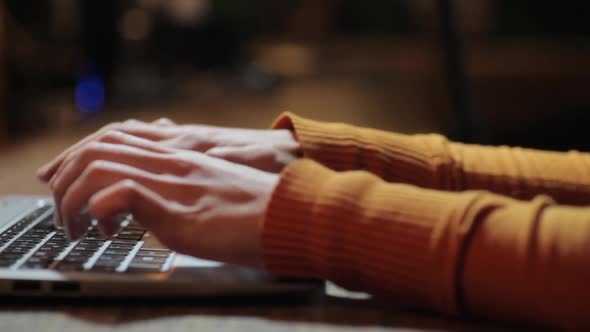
x,y
528,261
412,159
452,252
431,161
521,173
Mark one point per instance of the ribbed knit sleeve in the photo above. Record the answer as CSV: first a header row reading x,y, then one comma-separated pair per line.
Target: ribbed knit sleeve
x,y
453,252
431,161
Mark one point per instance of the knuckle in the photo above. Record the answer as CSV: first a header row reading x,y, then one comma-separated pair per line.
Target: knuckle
x,y
112,135
215,152
173,209
130,189
179,162
93,147
112,126
188,136
95,168
54,185
192,139
132,122
66,162
89,151
129,186
168,208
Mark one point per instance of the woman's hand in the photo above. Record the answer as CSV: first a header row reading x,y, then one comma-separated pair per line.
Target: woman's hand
x,y
193,203
268,150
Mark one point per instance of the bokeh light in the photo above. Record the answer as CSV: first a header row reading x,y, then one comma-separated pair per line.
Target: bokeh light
x,y
90,94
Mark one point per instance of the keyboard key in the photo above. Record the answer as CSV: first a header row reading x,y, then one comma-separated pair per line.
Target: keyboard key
x,y
75,259
95,236
37,263
127,231
110,251
38,259
43,254
7,262
34,266
106,265
11,256
124,241
16,250
111,258
120,246
86,254
91,242
130,237
154,252
149,259
144,267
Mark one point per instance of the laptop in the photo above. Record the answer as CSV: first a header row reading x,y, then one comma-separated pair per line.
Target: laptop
x,y
36,259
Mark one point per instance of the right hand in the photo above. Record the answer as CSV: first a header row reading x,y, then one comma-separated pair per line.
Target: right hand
x,y
193,203
267,150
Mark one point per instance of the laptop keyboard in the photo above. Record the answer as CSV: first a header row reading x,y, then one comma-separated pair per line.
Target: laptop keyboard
x,y
35,243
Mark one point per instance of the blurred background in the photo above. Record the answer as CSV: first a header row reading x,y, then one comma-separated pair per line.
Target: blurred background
x,y
482,71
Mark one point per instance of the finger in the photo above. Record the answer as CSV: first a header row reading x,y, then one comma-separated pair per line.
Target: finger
x,y
114,137
109,226
101,174
164,122
133,127
122,138
199,140
72,168
147,207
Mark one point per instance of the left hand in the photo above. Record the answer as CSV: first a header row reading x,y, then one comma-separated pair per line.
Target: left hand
x,y
193,203
265,149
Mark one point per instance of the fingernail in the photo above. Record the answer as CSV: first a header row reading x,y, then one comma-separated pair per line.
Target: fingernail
x,y
42,173
42,169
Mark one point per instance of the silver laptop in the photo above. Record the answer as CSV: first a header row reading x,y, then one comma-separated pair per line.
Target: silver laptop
x,y
36,259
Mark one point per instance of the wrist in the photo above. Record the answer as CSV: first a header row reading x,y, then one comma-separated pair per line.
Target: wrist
x,y
287,140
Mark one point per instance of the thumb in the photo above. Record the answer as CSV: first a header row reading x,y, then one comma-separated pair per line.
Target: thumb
x,y
147,207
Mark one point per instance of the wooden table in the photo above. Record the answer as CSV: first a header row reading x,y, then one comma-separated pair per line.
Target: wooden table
x,y
322,313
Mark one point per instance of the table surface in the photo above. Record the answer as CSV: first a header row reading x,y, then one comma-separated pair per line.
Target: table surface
x,y
323,313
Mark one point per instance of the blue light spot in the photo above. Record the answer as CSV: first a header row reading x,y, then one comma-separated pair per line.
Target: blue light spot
x,y
90,94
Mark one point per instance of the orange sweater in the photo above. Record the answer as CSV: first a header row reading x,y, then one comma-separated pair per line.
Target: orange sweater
x,y
406,216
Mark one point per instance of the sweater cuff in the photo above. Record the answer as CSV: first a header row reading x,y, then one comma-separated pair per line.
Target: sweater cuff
x,y
288,225
420,160
364,234
323,142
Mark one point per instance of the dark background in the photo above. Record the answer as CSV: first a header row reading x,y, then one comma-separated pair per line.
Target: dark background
x,y
378,63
